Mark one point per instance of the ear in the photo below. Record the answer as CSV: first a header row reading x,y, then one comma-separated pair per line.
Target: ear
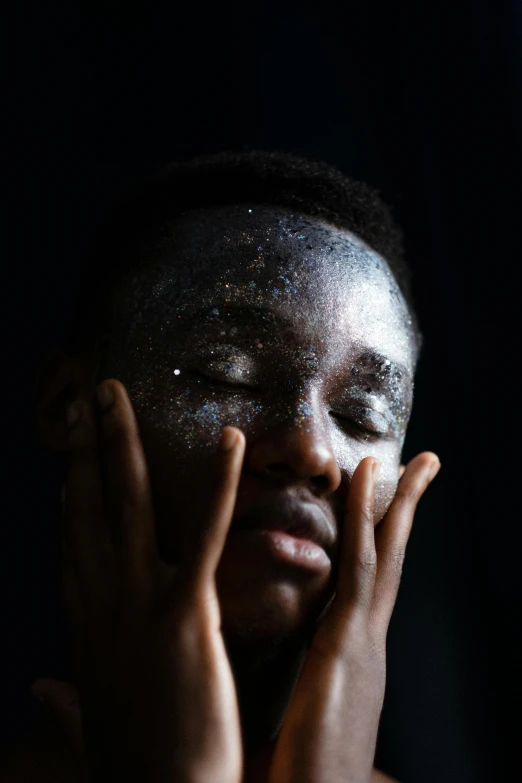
x,y
59,380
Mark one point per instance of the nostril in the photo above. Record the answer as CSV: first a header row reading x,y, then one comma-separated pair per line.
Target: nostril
x,y
321,482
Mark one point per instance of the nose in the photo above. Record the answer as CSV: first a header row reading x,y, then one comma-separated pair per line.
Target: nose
x,y
296,451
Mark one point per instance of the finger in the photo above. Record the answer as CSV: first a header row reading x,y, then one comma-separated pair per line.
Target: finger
x,y
127,487
391,537
401,470
209,540
84,522
358,559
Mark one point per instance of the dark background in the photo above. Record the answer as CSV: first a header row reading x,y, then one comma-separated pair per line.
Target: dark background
x,y
423,101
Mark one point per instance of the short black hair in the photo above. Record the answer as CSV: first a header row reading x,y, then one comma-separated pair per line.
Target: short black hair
x,y
136,227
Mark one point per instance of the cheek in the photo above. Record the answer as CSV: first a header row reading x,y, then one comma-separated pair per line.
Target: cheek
x,y
350,454
179,411
385,488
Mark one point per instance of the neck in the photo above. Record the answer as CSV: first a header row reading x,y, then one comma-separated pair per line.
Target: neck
x,y
264,687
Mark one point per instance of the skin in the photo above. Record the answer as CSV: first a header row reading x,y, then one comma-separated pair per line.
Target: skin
x,y
317,384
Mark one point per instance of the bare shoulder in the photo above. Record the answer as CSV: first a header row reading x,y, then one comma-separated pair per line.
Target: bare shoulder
x,y
381,777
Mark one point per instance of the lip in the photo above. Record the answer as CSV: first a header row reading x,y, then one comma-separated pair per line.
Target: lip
x,y
302,519
285,548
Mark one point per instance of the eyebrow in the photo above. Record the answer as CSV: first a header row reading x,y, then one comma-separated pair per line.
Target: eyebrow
x,y
382,369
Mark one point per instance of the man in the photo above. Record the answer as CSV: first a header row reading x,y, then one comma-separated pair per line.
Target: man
x,y
229,606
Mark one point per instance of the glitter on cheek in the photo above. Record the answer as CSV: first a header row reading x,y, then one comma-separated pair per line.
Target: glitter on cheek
x,y
184,411
386,486
350,454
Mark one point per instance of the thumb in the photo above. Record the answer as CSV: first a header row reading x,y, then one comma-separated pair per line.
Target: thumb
x,y
60,698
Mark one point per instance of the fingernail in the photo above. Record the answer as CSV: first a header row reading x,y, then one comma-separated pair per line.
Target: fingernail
x,y
105,396
376,469
73,413
228,440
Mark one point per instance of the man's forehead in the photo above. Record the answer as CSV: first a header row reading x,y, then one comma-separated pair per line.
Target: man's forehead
x,y
266,246
325,281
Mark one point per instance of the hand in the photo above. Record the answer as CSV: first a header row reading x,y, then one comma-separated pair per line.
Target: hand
x,y
155,697
329,731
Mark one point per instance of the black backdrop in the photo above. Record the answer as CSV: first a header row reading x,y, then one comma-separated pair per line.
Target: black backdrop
x,y
423,101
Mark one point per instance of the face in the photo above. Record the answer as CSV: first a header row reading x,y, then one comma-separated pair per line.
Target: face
x,y
297,333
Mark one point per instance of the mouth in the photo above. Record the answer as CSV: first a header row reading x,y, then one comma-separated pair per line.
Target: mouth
x,y
289,528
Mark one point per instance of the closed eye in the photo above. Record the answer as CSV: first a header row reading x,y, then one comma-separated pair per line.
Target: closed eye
x,y
364,426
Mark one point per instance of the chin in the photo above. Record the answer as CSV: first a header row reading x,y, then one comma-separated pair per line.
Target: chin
x,y
268,615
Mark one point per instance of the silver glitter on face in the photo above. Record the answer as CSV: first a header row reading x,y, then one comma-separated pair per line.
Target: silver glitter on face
x,y
269,321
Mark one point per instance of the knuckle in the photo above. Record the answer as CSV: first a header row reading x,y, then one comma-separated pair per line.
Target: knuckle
x,y
408,494
366,562
366,513
364,574
395,561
